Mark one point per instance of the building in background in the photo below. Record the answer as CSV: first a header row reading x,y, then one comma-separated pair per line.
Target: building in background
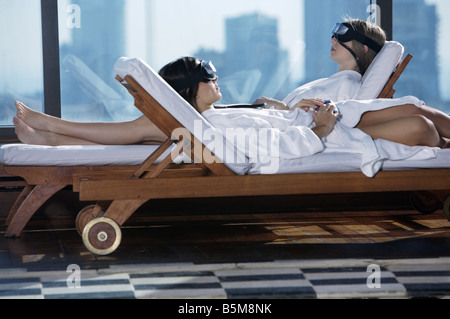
x,y
416,27
253,63
88,58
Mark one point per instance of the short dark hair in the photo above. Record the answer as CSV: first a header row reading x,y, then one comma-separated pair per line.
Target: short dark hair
x,y
179,69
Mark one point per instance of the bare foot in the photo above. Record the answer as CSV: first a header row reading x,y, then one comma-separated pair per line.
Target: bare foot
x,y
33,119
29,135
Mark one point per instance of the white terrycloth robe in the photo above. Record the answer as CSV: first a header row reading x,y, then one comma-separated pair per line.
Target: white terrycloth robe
x,y
284,135
341,86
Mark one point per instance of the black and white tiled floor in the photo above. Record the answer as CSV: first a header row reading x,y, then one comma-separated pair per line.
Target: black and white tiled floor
x,y
320,279
250,250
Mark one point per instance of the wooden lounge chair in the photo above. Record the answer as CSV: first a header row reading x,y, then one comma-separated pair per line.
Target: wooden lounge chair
x,y
41,181
119,198
388,90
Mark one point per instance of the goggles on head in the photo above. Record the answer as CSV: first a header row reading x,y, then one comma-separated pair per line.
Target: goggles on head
x,y
204,72
345,32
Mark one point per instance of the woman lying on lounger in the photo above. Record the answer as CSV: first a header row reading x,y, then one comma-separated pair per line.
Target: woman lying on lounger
x,y
196,82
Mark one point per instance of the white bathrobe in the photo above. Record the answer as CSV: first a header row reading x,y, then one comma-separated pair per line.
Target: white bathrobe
x,y
341,86
284,135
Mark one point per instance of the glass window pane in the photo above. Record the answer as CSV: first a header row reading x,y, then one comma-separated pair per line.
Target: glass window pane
x,y
320,18
92,38
420,26
259,47
21,57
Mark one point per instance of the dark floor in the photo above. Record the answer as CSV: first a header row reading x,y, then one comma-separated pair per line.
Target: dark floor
x,y
291,229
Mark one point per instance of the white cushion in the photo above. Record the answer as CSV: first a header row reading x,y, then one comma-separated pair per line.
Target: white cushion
x,y
380,71
85,155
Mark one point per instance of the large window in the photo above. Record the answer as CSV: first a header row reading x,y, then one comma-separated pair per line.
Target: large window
x,y
93,35
425,36
260,48
21,64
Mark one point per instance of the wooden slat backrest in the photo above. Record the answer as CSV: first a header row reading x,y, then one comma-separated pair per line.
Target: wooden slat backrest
x,y
154,111
388,91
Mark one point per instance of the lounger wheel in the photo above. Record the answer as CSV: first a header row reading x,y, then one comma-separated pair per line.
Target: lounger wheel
x,y
84,216
447,208
102,236
425,202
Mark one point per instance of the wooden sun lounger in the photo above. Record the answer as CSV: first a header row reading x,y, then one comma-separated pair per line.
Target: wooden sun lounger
x,y
118,199
41,183
388,90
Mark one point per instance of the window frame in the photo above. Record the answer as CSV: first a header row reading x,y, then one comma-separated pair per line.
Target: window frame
x,y
51,61
50,47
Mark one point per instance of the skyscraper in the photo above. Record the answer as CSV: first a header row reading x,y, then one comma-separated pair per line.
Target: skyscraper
x,y
87,61
253,63
101,38
415,26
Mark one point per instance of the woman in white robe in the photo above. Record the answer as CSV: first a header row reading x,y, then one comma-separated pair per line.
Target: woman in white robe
x,y
375,118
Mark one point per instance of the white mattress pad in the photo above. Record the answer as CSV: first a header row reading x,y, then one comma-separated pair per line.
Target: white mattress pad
x,y
335,162
32,155
91,155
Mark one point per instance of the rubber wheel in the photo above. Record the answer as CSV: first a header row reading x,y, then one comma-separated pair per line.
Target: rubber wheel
x,y
84,216
102,236
447,208
425,202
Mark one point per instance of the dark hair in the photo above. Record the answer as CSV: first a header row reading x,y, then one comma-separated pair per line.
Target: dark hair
x,y
179,69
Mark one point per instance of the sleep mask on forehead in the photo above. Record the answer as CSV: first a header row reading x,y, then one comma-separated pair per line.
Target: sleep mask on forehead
x,y
345,32
204,72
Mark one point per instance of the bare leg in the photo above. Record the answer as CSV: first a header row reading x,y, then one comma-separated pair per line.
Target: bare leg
x,y
29,135
410,130
439,118
139,131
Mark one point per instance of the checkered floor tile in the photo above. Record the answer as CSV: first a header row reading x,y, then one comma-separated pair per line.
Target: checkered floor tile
x,y
427,278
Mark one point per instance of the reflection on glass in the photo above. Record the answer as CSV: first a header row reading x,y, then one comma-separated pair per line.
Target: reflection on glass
x,y
423,40
20,56
92,38
259,48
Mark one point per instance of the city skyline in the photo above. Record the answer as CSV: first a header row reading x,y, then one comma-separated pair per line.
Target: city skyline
x,y
295,48
146,29
294,44
208,35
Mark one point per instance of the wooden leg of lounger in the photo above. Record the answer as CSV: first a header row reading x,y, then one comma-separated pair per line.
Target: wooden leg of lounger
x,y
89,213
121,210
35,199
25,192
